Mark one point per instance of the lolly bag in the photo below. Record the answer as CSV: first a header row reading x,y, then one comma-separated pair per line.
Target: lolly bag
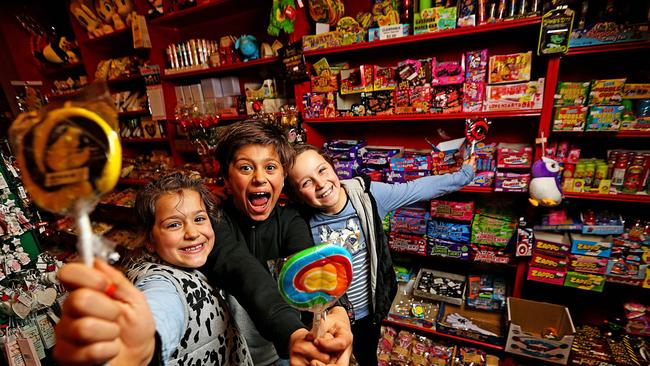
x,y
69,155
313,279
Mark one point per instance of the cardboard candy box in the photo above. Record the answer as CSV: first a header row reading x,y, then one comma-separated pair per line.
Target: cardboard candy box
x,y
510,68
510,97
405,243
411,221
452,210
573,118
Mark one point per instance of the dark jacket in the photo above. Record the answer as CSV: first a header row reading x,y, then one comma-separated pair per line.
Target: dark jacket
x,y
232,267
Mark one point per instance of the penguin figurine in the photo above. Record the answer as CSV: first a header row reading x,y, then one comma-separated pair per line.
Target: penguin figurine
x,y
544,187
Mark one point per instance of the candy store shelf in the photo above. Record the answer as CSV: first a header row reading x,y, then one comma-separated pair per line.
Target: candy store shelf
x,y
143,140
637,198
605,134
428,116
442,335
219,70
448,33
477,189
633,134
133,113
114,37
613,47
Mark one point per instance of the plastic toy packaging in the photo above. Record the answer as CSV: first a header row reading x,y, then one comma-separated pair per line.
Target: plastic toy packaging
x,y
385,346
313,279
69,155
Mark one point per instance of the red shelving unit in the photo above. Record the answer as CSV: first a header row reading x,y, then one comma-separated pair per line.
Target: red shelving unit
x,y
638,198
612,47
449,33
478,189
605,134
428,116
443,335
219,70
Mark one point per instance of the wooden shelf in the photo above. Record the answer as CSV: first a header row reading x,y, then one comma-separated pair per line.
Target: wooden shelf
x,y
220,69
442,335
612,47
143,140
197,14
133,113
448,33
637,198
428,116
108,39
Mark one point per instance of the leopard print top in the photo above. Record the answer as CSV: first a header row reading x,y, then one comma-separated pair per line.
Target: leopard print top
x,y
211,336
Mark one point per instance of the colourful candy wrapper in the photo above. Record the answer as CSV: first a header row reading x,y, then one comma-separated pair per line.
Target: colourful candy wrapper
x,y
69,155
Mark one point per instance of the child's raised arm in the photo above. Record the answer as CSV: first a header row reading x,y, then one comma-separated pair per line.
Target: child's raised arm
x,y
392,196
105,319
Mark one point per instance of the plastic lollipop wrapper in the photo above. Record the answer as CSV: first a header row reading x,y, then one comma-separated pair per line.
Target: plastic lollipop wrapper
x,y
69,155
313,279
476,130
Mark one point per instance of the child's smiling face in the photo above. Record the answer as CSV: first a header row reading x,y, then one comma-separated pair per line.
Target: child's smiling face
x,y
182,233
255,180
317,183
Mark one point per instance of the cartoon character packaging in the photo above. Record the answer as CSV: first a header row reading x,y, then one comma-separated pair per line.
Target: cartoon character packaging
x,y
510,68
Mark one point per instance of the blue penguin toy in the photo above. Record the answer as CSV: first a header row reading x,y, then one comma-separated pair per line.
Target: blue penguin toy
x,y
544,187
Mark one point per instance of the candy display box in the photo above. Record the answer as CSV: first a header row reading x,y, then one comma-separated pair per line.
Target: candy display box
x,y
529,321
463,322
442,286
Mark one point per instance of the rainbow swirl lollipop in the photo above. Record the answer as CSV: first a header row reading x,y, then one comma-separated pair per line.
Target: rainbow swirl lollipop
x,y
313,279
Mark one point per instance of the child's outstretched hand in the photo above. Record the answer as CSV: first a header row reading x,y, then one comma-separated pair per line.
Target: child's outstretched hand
x,y
105,319
338,340
471,161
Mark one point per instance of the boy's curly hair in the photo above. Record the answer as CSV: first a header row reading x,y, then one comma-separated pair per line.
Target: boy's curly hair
x,y
146,198
252,132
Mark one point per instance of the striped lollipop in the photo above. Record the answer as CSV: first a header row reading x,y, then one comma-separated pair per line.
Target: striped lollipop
x,y
315,278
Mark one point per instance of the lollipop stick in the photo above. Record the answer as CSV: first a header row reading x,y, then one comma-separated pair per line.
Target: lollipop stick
x,y
85,239
317,328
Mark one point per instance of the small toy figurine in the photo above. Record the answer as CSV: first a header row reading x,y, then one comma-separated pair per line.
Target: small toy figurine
x,y
247,46
544,188
59,51
83,12
108,13
283,15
